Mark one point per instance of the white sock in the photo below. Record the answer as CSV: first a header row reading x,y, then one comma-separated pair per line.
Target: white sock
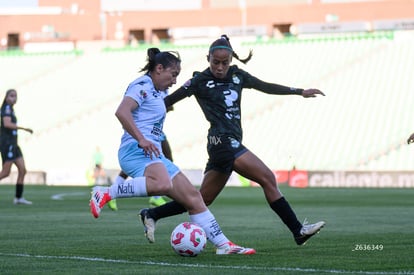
x,y
135,187
119,180
213,231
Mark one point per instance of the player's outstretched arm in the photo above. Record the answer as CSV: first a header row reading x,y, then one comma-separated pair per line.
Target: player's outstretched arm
x,y
312,93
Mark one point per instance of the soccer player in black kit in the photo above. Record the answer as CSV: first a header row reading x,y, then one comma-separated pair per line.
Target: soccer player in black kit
x,y
218,91
10,150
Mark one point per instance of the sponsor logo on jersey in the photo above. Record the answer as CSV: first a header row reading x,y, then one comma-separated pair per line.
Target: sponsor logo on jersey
x,y
214,140
157,128
230,98
210,84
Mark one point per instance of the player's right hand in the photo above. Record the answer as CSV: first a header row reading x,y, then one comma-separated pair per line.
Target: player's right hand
x,y
149,148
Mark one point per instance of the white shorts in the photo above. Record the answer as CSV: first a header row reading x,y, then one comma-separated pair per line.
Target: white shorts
x,y
133,161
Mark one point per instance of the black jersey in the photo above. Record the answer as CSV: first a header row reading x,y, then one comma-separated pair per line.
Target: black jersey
x,y
8,136
220,99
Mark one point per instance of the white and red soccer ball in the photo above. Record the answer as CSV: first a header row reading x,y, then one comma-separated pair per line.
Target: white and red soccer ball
x,y
188,239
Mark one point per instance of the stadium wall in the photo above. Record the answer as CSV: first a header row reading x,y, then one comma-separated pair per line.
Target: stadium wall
x,y
90,21
350,179
32,178
292,178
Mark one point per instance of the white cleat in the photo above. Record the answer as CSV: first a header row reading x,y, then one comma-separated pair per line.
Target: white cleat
x,y
22,201
308,230
231,248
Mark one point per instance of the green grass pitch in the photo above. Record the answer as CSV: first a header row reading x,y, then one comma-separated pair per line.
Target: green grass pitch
x,y
368,231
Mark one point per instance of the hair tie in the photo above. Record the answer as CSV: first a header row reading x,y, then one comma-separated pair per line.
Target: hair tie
x,y
221,47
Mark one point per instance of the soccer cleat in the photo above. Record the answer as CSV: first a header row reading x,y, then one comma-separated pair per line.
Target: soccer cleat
x,y
21,201
112,205
307,231
149,224
157,201
231,248
98,200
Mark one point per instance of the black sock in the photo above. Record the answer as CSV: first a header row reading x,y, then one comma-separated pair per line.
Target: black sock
x,y
19,190
169,209
286,214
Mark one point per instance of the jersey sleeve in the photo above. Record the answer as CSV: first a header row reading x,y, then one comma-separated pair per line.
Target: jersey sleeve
x,y
186,90
137,93
253,82
7,111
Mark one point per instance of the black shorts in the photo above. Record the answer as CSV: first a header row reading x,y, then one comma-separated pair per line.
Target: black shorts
x,y
222,152
10,152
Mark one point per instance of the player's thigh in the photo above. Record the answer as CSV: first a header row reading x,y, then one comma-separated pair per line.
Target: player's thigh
x,y
20,164
6,169
166,149
157,179
250,166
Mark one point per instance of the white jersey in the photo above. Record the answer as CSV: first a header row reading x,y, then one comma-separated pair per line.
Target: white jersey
x,y
150,115
164,94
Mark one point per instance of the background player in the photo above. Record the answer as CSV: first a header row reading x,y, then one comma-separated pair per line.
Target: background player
x,y
10,150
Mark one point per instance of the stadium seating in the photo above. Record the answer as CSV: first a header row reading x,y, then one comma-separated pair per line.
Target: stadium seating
x,y
361,124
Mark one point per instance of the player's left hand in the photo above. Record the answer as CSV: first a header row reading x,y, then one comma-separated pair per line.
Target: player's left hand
x,y
312,93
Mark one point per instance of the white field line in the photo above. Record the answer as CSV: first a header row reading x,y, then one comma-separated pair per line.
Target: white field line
x,y
218,267
60,196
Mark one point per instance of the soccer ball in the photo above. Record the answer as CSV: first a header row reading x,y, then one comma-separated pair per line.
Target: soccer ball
x,y
188,239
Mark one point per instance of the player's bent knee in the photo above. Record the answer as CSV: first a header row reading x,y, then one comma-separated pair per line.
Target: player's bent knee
x,y
162,187
166,187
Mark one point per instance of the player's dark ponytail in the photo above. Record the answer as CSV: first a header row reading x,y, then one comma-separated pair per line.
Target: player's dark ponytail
x,y
155,57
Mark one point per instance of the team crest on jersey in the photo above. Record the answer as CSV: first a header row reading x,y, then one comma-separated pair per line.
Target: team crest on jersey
x,y
143,94
234,142
236,79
